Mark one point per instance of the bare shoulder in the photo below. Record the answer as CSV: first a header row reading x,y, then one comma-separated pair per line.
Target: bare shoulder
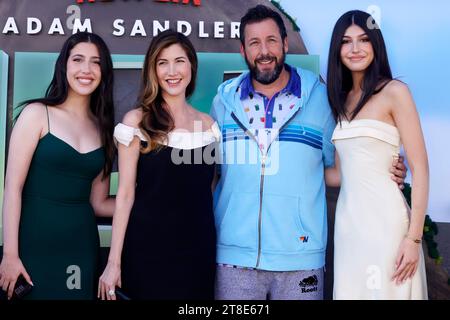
x,y
396,89
35,109
133,118
399,96
206,119
33,113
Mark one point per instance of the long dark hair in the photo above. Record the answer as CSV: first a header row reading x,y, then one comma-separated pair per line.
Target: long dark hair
x,y
156,120
339,77
101,101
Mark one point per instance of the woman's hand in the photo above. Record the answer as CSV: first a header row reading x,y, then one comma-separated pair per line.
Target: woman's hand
x,y
407,261
108,281
399,171
10,270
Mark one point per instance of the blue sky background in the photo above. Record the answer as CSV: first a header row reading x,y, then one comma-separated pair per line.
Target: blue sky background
x,y
417,35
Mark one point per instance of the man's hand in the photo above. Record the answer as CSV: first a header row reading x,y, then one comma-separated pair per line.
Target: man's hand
x,y
398,171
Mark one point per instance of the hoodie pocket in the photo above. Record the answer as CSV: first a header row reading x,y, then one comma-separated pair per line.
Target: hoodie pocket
x,y
239,225
282,230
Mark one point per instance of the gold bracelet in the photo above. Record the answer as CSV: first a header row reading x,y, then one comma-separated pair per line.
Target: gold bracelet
x,y
413,239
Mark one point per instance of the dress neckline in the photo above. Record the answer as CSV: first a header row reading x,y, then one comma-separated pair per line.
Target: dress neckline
x,y
211,129
68,145
367,128
178,139
181,139
372,121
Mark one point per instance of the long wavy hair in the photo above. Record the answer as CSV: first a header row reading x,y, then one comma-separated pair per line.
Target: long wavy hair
x,y
157,121
101,100
339,77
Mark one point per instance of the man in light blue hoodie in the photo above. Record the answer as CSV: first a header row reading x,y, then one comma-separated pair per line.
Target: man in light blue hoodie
x,y
270,205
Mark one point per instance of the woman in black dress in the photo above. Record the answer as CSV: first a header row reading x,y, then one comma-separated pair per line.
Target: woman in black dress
x,y
163,236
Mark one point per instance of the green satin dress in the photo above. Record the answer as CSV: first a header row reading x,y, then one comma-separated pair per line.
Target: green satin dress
x,y
58,237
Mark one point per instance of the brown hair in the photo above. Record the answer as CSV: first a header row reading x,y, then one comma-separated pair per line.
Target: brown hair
x,y
156,120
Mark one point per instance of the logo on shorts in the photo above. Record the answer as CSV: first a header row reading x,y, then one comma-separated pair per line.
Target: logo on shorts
x,y
309,284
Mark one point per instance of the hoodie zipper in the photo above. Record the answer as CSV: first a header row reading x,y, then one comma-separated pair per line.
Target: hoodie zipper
x,y
261,190
261,183
263,168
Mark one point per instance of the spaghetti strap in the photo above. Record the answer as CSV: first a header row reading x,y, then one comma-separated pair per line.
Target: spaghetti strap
x,y
48,119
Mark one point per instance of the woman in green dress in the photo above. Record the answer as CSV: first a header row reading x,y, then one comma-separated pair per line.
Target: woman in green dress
x,y
60,157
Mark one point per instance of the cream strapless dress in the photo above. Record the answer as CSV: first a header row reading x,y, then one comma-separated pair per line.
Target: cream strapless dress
x,y
372,217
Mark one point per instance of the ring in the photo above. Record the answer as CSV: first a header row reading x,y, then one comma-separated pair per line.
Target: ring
x,y
111,292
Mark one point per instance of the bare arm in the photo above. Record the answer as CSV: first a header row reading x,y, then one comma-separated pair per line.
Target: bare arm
x,y
103,204
128,159
208,122
333,174
24,139
407,121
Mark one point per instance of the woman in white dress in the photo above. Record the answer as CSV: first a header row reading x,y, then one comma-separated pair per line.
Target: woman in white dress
x,y
377,239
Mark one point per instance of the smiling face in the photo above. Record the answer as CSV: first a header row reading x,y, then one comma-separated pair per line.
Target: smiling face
x,y
264,50
356,51
83,69
173,70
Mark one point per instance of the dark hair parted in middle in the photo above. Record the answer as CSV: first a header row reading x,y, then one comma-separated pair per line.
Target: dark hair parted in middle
x,y
101,101
156,120
258,14
339,77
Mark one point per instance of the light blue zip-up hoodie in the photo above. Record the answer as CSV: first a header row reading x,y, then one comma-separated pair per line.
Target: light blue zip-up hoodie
x,y
270,209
